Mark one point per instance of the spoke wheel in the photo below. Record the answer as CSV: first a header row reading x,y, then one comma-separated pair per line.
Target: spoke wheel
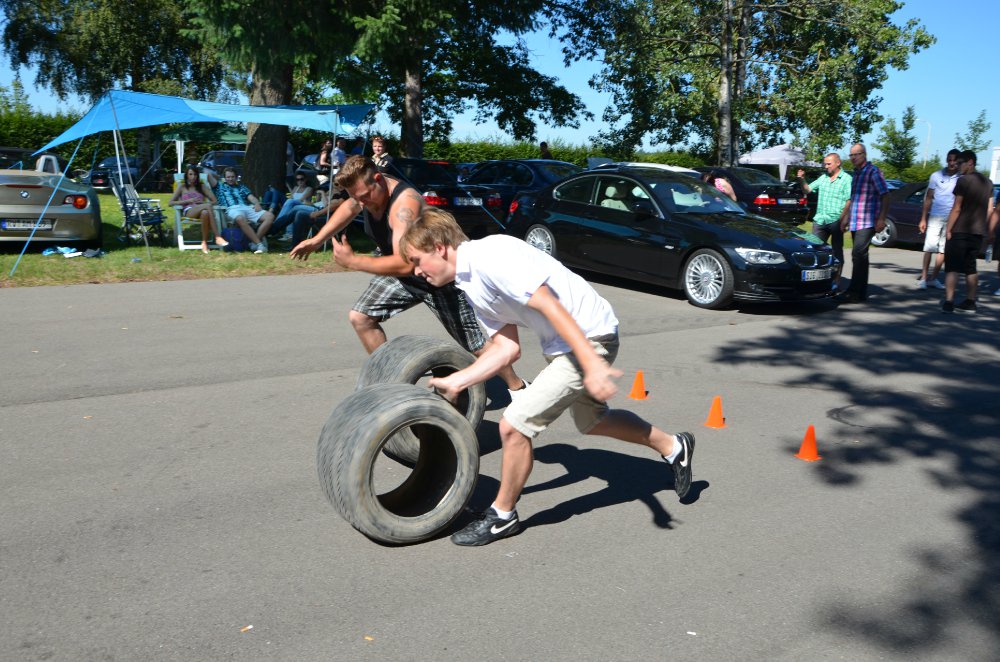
x,y
541,238
708,280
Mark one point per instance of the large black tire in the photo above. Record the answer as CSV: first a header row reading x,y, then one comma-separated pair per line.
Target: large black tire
x,y
437,488
405,360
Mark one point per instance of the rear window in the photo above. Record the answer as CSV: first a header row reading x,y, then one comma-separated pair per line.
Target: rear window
x,y
556,171
423,174
578,190
751,176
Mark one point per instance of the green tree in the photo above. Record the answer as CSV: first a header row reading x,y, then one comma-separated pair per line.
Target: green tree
x,y
736,73
87,48
14,99
431,59
272,41
974,136
898,146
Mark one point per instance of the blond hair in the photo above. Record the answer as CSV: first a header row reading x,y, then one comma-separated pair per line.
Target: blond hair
x,y
433,227
356,168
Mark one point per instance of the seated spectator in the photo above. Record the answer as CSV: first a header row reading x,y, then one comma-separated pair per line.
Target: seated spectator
x,y
719,180
311,217
243,208
301,196
273,200
381,157
339,155
324,164
196,201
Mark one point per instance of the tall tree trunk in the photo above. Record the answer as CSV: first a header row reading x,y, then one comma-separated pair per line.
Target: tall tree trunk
x,y
726,155
266,143
413,121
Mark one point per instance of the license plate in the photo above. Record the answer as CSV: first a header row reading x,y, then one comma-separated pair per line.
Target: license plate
x,y
787,201
468,202
817,274
45,224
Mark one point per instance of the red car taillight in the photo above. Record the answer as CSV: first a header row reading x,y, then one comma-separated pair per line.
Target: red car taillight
x,y
435,200
764,199
513,207
803,202
494,200
78,201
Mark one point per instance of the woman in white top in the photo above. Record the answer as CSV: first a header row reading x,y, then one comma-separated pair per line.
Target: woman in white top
x,y
302,194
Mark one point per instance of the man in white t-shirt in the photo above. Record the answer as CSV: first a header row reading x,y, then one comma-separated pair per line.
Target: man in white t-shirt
x,y
578,331
938,201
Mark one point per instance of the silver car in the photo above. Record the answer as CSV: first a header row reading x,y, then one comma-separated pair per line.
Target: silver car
x,y
72,217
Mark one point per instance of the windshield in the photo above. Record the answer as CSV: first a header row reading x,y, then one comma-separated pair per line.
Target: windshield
x,y
751,176
423,174
680,194
110,162
228,159
555,172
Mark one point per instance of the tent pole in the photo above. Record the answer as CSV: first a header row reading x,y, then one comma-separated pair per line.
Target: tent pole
x,y
142,226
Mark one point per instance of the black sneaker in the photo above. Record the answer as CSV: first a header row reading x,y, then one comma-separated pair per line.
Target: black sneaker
x,y
967,306
682,464
488,528
947,307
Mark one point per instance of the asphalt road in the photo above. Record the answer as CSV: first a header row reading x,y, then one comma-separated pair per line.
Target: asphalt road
x,y
159,488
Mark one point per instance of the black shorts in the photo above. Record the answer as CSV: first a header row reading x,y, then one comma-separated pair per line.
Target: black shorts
x,y
387,296
960,253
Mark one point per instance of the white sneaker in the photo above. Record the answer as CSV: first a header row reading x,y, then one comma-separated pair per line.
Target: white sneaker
x,y
936,284
518,392
921,284
257,248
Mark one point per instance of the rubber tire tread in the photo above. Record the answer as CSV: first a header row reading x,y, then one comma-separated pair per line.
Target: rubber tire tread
x,y
405,360
441,483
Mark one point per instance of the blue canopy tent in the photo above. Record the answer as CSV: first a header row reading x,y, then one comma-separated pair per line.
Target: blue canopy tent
x,y
119,110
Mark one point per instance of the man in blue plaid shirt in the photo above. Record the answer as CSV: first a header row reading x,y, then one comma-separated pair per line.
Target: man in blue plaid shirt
x,y
863,216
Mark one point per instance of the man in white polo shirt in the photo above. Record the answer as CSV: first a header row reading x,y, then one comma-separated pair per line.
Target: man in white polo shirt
x,y
938,201
578,331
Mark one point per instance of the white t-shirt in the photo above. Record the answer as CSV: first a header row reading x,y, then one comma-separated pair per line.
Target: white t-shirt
x,y
500,273
943,186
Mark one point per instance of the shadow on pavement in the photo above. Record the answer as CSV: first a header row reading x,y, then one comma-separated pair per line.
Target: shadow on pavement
x,y
900,333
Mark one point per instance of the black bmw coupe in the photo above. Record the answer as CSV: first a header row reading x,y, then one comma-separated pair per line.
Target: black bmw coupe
x,y
667,228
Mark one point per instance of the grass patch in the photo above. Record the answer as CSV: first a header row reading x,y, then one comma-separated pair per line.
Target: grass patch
x,y
126,264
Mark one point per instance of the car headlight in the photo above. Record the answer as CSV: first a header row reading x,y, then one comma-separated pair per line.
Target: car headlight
x,y
758,256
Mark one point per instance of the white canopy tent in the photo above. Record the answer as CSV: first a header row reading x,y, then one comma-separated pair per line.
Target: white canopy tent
x,y
779,155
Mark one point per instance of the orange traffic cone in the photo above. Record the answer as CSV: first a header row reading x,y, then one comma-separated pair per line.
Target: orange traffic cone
x,y
807,451
638,391
715,418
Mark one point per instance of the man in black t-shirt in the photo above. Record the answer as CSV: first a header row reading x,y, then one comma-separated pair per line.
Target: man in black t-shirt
x,y
967,224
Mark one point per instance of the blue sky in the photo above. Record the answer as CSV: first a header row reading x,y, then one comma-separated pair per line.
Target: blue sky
x,y
948,84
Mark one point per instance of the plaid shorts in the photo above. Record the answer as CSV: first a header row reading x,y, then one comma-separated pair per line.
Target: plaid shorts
x,y
386,297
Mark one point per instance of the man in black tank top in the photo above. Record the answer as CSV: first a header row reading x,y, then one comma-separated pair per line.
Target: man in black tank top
x,y
389,206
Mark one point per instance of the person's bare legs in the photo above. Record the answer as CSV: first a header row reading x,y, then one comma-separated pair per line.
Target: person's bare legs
x,y
241,222
507,374
517,460
926,267
266,219
971,286
950,282
515,465
369,330
938,264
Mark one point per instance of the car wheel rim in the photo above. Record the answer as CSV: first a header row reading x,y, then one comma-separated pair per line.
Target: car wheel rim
x,y
540,239
880,238
704,279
